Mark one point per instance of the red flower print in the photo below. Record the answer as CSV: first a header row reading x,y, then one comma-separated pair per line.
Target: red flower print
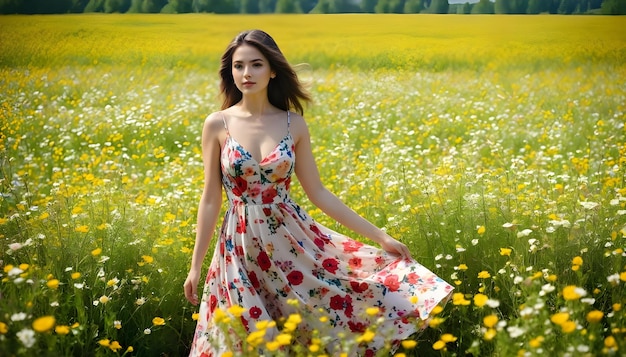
x,y
369,353
239,251
267,211
288,183
347,301
355,263
241,224
267,196
336,302
241,185
254,280
254,190
351,245
245,323
212,303
380,260
413,278
331,265
358,287
255,312
316,230
206,354
356,326
295,277
391,282
319,243
264,261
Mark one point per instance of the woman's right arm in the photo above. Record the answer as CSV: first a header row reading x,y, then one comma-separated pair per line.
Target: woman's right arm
x,y
210,202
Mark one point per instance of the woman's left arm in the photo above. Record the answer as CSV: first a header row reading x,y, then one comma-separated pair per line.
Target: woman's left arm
x,y
309,177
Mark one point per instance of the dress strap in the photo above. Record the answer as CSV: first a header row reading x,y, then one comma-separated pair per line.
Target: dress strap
x,y
224,121
288,120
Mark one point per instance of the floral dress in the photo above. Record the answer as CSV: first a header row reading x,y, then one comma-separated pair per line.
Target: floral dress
x,y
270,251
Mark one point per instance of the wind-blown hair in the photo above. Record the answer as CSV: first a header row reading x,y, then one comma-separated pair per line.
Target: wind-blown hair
x,y
284,91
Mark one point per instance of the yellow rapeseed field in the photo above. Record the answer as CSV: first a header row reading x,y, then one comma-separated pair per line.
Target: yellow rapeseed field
x,y
363,41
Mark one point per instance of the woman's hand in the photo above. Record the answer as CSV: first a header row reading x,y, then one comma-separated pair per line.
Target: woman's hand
x,y
191,287
394,246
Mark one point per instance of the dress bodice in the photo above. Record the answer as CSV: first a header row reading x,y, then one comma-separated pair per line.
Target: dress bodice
x,y
249,182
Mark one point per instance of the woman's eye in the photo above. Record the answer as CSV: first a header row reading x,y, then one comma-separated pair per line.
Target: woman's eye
x,y
237,66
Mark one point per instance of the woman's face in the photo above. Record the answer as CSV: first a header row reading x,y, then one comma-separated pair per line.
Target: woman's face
x,y
251,70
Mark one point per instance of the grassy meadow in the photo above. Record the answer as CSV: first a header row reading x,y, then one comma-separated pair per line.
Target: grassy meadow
x,y
493,146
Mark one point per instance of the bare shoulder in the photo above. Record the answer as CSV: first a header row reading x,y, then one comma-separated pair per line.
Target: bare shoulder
x,y
299,126
214,124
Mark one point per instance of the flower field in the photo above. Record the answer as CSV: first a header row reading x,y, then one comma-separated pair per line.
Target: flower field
x,y
493,146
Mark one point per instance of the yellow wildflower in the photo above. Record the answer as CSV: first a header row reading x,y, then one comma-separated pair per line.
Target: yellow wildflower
x,y
568,326
104,342
219,316
236,310
255,338
439,345
481,230
272,346
408,344
62,329
447,337
459,299
372,311
96,252
82,229
75,275
484,275
114,346
3,328
610,342
480,300
490,320
44,323
366,337
571,292
577,261
536,342
158,321
195,316
283,339
53,283
490,334
505,251
559,318
435,321
594,316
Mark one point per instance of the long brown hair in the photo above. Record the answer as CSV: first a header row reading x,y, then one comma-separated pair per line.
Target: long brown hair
x,y
284,91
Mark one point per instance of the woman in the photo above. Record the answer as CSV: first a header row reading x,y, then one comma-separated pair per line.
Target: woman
x,y
270,251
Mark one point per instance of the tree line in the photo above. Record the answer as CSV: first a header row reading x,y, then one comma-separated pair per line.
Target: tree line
x,y
609,7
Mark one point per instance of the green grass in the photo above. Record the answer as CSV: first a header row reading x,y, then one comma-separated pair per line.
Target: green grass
x,y
435,128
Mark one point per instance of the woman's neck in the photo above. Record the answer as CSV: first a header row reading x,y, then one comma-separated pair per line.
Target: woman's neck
x,y
255,106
